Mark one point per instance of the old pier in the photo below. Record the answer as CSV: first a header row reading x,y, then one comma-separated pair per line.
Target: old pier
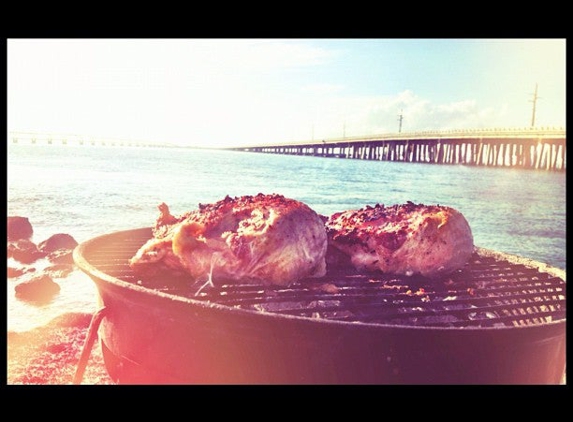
x,y
531,148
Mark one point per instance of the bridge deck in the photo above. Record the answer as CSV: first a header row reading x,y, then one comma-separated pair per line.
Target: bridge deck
x,y
526,148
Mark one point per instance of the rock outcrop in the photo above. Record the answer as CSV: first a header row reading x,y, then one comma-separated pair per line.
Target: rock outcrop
x,y
24,251
13,272
19,228
57,249
40,288
56,242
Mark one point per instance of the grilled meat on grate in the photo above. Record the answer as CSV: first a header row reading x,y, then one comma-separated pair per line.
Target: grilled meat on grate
x,y
264,238
493,289
408,239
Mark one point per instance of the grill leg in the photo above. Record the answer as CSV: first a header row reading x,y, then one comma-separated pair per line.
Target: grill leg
x,y
86,351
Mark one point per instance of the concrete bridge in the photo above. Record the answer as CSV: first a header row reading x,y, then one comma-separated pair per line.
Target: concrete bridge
x,y
532,148
73,139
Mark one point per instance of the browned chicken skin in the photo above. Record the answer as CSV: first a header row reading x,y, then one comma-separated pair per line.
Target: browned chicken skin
x,y
264,238
429,240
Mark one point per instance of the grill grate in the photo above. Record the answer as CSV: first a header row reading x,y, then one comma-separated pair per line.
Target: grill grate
x,y
493,290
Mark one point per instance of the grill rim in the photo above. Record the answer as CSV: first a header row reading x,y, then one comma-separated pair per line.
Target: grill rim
x,y
99,277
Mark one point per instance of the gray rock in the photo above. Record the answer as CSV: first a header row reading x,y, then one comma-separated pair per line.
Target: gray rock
x,y
13,272
57,241
19,228
38,289
24,251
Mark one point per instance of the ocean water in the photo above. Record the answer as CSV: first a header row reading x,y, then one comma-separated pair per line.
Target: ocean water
x,y
87,191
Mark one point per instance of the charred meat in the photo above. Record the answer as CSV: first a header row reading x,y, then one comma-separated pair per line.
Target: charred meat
x,y
267,239
430,240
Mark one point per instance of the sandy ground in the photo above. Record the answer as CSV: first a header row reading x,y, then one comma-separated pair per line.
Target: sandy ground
x,y
49,355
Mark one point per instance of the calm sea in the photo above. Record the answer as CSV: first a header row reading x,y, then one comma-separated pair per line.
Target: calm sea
x,y
88,191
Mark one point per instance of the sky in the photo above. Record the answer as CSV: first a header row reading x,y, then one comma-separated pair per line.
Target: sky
x,y
234,92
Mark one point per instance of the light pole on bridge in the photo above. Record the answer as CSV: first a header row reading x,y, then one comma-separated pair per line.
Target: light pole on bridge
x,y
534,101
400,118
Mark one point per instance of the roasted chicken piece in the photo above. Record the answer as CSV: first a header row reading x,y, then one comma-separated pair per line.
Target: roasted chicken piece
x,y
267,239
430,240
156,256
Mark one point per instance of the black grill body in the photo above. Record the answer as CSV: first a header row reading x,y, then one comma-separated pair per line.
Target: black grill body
x,y
500,320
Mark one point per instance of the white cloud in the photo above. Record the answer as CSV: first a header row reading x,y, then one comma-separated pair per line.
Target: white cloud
x,y
356,116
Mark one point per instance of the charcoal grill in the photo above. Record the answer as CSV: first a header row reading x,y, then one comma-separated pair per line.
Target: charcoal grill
x,y
499,320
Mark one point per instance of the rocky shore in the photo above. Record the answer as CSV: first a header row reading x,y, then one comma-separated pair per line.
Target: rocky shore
x,y
47,354
23,254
